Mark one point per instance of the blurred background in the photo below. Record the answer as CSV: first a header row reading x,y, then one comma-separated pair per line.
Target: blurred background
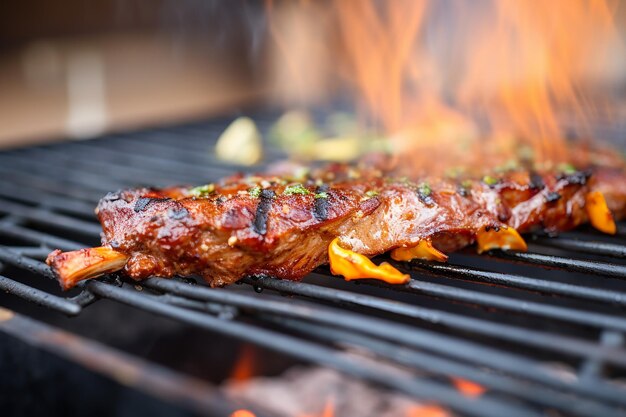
x,y
79,68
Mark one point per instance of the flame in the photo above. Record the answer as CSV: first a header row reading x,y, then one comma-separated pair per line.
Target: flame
x,y
244,368
242,413
518,63
427,411
450,79
468,388
329,409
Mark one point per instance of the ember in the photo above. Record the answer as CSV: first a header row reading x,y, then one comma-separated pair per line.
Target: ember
x,y
319,392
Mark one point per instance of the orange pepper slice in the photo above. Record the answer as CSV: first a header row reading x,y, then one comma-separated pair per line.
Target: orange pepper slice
x,y
599,214
505,238
423,250
353,265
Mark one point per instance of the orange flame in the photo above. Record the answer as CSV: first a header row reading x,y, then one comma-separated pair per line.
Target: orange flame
x,y
518,62
244,368
242,413
427,411
462,74
468,388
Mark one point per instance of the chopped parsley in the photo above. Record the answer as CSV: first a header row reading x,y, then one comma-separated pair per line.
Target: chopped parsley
x,y
372,193
424,194
255,192
424,189
567,169
296,189
489,180
203,190
322,194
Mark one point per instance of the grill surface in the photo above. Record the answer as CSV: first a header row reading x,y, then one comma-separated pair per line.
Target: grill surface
x,y
540,331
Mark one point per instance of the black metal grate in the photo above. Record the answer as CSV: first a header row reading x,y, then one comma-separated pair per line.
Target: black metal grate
x,y
540,331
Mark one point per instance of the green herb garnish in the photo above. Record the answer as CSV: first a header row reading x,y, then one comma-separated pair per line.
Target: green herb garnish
x,y
322,194
255,192
424,189
296,189
372,193
567,169
202,190
489,180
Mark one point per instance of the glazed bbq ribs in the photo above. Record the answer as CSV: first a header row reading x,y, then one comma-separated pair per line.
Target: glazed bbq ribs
x,y
287,225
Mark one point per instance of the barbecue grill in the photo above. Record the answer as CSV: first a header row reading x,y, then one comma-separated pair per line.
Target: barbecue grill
x,y
542,332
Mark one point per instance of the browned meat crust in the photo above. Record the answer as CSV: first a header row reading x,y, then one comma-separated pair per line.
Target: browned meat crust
x,y
282,227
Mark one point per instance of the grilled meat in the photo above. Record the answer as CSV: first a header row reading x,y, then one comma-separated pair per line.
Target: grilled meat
x,y
286,228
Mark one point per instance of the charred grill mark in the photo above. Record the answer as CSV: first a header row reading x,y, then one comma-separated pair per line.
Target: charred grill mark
x,y
320,207
553,197
143,203
536,182
424,195
259,224
494,227
577,178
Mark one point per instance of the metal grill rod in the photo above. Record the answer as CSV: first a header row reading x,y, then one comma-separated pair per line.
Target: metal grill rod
x,y
414,337
68,175
47,200
39,297
524,336
43,216
85,161
584,246
425,362
520,281
314,353
15,231
197,157
41,183
446,368
578,265
491,301
163,164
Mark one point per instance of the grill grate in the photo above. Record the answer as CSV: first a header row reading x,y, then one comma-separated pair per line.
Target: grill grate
x,y
501,320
